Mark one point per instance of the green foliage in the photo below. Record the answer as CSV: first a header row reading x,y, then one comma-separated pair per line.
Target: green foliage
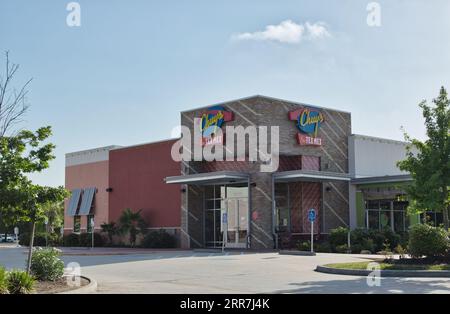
x,y
85,240
343,248
46,264
323,247
133,224
426,240
111,229
304,245
159,239
338,237
3,281
71,240
430,166
19,282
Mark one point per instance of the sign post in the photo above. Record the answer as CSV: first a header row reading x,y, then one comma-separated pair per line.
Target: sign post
x,y
224,226
16,233
46,231
311,218
92,230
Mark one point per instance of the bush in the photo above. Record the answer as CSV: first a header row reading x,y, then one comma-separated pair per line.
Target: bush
x,y
338,237
46,264
323,247
304,246
159,239
72,239
343,248
39,239
425,240
3,281
85,240
19,282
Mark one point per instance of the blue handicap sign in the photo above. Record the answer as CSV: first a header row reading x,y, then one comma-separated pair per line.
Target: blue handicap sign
x,y
311,215
224,218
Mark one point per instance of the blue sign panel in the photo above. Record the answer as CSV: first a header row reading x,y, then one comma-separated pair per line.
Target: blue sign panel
x,y
311,215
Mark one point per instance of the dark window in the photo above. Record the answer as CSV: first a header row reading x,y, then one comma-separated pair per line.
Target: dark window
x,y
76,224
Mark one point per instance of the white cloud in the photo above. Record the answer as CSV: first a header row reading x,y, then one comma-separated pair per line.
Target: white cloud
x,y
288,32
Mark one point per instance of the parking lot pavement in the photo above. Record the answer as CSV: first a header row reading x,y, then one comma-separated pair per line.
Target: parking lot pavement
x,y
231,272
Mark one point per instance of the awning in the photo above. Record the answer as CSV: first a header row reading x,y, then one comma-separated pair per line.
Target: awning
x,y
383,179
218,177
86,201
310,176
74,201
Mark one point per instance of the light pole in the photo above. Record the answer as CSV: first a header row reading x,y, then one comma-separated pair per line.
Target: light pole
x,y
46,231
92,231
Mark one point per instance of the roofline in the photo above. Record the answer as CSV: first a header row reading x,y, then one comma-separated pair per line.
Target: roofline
x,y
383,179
379,139
80,152
262,96
147,143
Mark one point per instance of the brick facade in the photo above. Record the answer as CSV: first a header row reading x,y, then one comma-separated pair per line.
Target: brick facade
x,y
330,197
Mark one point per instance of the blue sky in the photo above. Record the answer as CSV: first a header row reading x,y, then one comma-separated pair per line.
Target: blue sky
x,y
125,74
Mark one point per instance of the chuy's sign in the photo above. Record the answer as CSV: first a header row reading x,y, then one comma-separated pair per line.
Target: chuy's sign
x,y
211,121
308,122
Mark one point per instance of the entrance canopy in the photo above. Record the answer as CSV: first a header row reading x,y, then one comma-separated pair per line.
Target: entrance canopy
x,y
219,177
310,176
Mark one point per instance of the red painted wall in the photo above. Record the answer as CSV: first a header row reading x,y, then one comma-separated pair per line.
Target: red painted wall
x,y
136,176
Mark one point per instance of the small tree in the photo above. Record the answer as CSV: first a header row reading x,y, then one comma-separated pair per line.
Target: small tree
x,y
34,198
132,223
110,229
430,166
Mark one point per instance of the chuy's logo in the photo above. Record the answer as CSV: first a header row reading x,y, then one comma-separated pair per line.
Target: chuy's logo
x,y
211,121
308,122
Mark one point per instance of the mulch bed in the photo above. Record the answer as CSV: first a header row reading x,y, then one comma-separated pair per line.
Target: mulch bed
x,y
50,287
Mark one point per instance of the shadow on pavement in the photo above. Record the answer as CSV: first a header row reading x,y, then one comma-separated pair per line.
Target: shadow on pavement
x,y
359,285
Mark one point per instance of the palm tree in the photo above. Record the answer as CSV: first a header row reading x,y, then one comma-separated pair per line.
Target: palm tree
x,y
132,223
110,229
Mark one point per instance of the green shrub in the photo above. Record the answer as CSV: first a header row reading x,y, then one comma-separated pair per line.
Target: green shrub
x,y
343,248
85,240
338,237
72,239
323,247
304,245
3,281
46,264
426,240
159,239
19,282
39,239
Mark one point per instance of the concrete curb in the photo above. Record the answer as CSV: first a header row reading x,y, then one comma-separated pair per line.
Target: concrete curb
x,y
90,288
385,273
300,253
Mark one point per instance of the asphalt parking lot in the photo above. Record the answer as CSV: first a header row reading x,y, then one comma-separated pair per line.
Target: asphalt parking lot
x,y
229,272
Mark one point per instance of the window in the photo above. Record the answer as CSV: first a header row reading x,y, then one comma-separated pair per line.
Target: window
x,y
76,224
433,218
382,214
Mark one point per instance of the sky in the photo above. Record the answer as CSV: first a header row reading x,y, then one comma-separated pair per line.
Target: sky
x,y
123,76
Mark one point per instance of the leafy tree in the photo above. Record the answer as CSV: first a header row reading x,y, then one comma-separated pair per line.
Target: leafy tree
x,y
20,155
33,200
110,229
132,223
428,162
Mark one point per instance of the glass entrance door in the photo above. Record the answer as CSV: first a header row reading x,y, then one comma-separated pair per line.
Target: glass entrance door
x,y
237,226
233,201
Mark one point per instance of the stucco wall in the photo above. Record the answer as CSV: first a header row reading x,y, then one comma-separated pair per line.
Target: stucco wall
x,y
137,180
94,174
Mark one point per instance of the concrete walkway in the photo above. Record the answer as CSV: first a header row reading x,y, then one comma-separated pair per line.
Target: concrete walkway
x,y
232,272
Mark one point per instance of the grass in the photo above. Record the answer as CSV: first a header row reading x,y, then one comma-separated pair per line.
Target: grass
x,y
387,266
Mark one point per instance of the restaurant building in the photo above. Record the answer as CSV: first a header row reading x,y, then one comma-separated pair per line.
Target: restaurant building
x,y
349,180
